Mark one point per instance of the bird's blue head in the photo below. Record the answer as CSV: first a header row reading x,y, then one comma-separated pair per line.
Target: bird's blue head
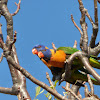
x,y
45,54
37,48
42,51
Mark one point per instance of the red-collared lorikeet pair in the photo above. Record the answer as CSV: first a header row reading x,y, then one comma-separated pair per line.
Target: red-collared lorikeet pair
x,y
55,61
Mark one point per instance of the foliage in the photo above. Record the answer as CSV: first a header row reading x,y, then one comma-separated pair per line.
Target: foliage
x,y
48,95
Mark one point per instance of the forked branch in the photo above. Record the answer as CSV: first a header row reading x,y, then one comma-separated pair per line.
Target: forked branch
x,y
76,25
18,8
69,90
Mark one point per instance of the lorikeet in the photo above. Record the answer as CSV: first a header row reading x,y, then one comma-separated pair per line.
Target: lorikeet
x,y
55,61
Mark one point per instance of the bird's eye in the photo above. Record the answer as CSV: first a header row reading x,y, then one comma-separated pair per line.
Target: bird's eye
x,y
43,50
39,46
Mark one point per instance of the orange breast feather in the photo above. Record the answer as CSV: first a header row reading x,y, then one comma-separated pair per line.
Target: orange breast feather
x,y
57,59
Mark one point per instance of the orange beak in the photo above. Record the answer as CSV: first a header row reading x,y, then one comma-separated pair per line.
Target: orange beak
x,y
34,51
40,54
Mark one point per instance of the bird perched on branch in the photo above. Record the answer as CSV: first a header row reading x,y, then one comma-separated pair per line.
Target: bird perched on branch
x,y
55,61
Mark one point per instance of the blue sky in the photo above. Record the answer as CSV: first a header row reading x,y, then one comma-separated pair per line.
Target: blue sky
x,y
42,22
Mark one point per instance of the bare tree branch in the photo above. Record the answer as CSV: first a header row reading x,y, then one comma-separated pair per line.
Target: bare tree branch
x,y
84,27
53,46
91,84
75,89
1,58
50,82
19,81
89,17
96,12
18,73
12,42
86,91
76,25
67,85
5,12
81,39
69,90
1,35
8,91
22,80
29,76
75,44
95,25
18,7
81,56
90,95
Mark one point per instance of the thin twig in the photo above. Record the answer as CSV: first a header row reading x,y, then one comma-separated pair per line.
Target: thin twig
x,y
96,12
76,25
1,35
86,91
84,37
1,58
89,17
81,39
53,46
67,85
48,77
79,95
15,38
91,84
69,90
18,7
95,26
75,44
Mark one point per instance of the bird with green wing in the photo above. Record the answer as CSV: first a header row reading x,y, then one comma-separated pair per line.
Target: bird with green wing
x,y
55,61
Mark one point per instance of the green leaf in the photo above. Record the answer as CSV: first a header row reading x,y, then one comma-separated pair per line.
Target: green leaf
x,y
41,91
51,87
37,91
48,95
55,83
38,88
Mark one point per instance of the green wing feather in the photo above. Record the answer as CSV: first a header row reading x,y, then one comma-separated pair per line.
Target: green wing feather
x,y
76,75
94,63
68,50
79,76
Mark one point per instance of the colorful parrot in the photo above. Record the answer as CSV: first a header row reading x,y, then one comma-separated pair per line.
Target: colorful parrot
x,y
55,70
55,61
